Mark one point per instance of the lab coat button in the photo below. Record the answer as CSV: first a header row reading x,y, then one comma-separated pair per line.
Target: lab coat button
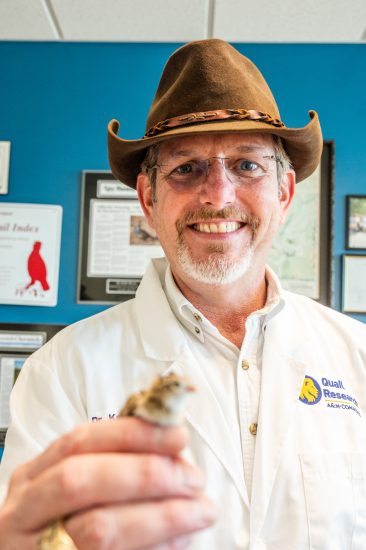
x,y
197,317
197,330
253,428
245,364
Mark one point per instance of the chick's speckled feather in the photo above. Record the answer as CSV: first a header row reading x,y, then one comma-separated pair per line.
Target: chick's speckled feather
x,y
162,403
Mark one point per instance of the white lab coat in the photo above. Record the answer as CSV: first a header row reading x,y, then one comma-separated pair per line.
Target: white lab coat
x,y
309,477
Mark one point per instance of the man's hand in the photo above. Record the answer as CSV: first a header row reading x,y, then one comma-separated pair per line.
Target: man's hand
x,y
120,485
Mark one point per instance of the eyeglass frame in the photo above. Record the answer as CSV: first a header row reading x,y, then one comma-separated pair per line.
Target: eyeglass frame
x,y
276,158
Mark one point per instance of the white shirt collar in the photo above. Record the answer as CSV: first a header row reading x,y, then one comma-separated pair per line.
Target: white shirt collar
x,y
196,323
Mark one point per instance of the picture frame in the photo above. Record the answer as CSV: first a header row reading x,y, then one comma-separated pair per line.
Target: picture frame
x,y
356,222
302,251
17,342
354,283
10,366
4,166
115,242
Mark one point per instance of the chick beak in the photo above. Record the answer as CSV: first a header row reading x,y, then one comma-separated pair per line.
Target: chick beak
x,y
190,388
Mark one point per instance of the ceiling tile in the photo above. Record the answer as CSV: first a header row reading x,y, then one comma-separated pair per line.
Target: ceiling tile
x,y
25,20
290,20
132,20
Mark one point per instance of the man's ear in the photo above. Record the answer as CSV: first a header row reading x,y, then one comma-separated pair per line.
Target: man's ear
x,y
145,195
287,192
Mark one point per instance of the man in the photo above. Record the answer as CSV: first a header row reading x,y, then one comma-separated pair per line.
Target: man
x,y
277,427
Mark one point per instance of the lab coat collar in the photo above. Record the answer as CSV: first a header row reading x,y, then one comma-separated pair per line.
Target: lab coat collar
x,y
160,343
170,345
184,311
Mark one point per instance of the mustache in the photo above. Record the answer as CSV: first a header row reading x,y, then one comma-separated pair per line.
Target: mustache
x,y
207,214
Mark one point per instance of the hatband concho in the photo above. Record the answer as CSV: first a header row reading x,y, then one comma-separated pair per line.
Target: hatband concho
x,y
208,116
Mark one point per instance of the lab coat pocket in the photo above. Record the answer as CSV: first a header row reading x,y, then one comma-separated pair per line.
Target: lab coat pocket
x,y
335,496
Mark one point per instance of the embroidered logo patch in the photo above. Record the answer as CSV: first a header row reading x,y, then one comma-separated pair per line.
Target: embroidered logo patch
x,y
333,392
311,392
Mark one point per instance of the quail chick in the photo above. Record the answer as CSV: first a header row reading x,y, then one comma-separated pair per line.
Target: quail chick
x,y
162,403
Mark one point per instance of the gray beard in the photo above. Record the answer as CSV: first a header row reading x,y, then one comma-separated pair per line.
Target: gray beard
x,y
215,269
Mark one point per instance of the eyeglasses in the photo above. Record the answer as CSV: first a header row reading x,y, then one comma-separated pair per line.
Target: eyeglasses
x,y
239,171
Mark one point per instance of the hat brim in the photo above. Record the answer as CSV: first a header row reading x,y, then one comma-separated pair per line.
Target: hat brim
x,y
303,145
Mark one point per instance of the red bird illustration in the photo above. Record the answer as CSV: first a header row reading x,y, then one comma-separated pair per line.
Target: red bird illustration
x,y
37,268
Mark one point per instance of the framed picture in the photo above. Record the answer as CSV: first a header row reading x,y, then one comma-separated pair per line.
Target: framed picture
x,y
4,166
10,365
354,284
302,252
116,242
17,342
356,222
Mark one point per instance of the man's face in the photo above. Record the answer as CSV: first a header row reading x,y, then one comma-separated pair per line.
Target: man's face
x,y
216,220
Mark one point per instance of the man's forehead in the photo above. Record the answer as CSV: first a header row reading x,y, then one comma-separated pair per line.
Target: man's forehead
x,y
236,141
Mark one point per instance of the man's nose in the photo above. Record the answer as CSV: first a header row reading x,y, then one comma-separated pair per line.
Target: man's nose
x,y
217,189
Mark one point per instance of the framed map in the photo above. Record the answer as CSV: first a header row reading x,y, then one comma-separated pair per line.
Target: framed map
x,y
302,252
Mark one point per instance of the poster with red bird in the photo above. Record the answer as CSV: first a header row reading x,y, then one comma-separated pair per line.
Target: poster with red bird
x,y
30,239
37,269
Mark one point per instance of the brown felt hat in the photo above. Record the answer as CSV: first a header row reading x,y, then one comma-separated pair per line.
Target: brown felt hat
x,y
209,87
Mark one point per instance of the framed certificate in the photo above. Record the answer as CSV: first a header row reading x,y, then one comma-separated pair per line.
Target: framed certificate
x,y
354,284
116,242
30,242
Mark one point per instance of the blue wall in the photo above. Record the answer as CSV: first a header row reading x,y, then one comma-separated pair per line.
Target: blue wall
x,y
57,98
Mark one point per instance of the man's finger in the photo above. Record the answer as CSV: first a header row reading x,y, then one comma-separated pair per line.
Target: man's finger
x,y
142,525
121,435
87,481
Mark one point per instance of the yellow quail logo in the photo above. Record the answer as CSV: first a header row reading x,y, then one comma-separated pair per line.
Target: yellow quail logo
x,y
311,392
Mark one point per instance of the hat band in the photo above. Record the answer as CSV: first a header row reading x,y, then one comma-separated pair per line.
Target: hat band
x,y
208,116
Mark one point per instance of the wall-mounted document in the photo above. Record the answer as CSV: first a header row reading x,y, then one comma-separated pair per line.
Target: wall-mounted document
x,y
17,342
116,242
10,365
30,238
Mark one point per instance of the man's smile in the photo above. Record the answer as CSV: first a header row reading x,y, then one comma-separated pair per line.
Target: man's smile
x,y
217,227
217,224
